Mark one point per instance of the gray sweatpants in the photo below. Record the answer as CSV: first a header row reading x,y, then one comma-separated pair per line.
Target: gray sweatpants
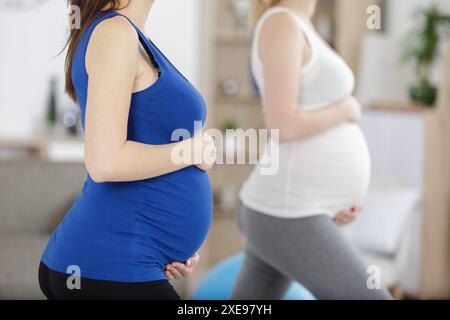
x,y
309,250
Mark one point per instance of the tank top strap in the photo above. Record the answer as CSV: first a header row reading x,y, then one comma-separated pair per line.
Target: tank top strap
x,y
301,21
158,58
152,51
275,10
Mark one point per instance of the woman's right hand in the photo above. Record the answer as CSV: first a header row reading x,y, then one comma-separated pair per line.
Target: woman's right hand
x,y
352,109
347,216
204,151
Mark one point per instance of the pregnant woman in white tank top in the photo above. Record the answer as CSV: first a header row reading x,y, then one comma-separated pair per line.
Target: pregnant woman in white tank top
x,y
324,160
289,219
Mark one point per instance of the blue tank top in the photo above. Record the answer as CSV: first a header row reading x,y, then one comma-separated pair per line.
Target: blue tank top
x,y
129,231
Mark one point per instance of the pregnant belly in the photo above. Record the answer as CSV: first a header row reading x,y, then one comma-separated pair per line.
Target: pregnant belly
x,y
175,213
331,171
159,220
130,231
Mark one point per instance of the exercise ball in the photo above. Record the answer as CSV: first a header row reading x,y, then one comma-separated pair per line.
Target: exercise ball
x,y
219,282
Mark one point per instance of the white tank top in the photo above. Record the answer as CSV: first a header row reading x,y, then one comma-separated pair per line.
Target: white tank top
x,y
323,174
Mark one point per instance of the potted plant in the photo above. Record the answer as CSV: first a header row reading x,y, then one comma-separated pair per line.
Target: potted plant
x,y
423,50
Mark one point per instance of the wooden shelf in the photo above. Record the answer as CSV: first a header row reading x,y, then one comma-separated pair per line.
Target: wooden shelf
x,y
38,144
233,38
400,106
243,100
34,141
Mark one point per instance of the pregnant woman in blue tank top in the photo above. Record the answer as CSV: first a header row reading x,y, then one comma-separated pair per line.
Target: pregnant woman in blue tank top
x,y
139,209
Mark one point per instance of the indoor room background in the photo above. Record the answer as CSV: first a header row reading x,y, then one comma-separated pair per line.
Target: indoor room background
x,y
405,225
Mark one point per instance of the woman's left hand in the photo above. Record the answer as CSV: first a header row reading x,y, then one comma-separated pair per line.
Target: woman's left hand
x,y
347,216
177,270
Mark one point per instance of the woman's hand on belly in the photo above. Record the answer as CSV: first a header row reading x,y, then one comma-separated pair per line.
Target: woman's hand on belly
x,y
353,109
207,151
177,270
348,216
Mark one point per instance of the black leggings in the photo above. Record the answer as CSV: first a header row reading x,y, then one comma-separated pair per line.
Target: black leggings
x,y
54,286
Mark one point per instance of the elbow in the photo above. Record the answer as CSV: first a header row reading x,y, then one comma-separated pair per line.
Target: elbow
x,y
290,129
99,177
285,124
290,135
99,171
285,134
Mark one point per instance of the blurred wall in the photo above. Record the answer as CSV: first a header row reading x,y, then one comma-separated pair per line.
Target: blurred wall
x,y
30,42
174,25
399,13
382,73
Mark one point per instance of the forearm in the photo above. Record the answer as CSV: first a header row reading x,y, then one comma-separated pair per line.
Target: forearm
x,y
134,161
302,124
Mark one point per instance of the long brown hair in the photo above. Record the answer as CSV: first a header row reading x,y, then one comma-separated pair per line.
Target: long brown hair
x,y
89,11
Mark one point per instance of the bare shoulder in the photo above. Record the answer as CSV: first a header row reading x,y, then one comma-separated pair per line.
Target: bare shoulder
x,y
112,39
280,25
116,29
280,35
